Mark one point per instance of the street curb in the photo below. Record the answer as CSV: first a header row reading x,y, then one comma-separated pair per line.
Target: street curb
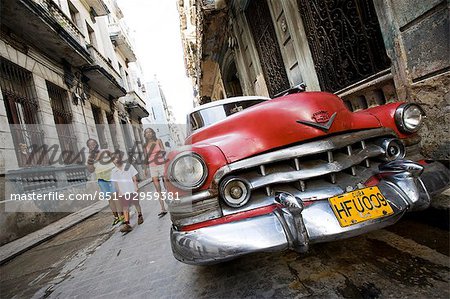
x,y
19,246
442,201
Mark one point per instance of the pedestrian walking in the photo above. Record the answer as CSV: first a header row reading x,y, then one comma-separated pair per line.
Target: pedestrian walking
x,y
123,175
155,153
100,162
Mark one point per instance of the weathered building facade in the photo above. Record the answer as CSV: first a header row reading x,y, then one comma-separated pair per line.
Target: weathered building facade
x,y
367,52
64,69
161,118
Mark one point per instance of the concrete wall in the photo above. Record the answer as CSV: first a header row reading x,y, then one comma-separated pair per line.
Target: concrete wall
x,y
19,219
416,35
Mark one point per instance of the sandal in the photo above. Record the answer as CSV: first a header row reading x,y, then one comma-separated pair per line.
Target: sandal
x,y
116,220
126,228
162,214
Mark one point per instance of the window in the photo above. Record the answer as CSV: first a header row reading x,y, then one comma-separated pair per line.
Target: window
x,y
137,137
211,115
126,135
112,130
122,75
353,50
99,125
127,79
74,14
91,35
21,106
63,120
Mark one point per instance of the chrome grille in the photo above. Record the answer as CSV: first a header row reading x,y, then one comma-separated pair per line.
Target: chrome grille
x,y
331,161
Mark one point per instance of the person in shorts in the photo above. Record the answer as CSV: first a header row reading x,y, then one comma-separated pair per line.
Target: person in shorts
x,y
100,162
123,175
154,151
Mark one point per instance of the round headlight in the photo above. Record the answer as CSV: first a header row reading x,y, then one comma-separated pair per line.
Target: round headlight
x,y
235,191
188,171
409,117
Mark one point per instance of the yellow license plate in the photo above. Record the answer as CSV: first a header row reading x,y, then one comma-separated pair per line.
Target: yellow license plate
x,y
360,205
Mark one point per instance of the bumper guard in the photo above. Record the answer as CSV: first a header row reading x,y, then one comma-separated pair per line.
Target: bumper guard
x,y
406,184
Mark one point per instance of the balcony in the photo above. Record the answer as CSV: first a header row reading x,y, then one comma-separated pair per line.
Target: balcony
x,y
135,105
102,76
121,41
97,7
213,5
46,178
43,25
117,9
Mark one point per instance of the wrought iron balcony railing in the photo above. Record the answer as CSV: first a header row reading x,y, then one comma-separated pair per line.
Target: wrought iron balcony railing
x,y
101,61
98,7
122,41
135,104
54,11
46,178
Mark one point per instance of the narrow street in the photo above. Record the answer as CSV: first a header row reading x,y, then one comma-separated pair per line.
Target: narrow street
x,y
243,107
95,260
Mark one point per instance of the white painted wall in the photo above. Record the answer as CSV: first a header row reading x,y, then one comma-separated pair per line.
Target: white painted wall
x,y
159,119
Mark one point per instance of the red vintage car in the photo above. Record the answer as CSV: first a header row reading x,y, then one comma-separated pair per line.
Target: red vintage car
x,y
261,175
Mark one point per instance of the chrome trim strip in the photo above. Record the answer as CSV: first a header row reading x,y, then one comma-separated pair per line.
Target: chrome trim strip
x,y
318,170
195,197
305,149
193,209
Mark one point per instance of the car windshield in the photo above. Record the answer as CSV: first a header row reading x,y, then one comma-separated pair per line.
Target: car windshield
x,y
208,116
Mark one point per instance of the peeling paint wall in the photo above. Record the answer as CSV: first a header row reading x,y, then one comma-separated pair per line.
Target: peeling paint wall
x,y
416,35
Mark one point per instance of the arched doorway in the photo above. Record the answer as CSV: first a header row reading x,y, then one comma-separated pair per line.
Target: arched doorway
x,y
232,83
230,76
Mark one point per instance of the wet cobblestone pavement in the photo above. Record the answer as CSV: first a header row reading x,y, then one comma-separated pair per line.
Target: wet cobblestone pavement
x,y
410,259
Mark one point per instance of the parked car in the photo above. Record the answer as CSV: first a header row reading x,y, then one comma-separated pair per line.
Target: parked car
x,y
264,175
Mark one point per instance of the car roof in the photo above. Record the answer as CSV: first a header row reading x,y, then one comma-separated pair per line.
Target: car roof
x,y
228,101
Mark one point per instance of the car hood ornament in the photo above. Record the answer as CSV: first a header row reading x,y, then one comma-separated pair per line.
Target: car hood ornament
x,y
323,120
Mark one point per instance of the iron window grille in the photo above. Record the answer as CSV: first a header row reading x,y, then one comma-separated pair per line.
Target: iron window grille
x,y
21,106
112,130
99,125
63,117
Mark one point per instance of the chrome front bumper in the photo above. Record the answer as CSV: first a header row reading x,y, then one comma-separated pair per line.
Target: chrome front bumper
x,y
292,226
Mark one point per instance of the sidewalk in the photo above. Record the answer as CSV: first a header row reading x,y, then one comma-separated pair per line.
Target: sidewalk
x,y
442,201
16,247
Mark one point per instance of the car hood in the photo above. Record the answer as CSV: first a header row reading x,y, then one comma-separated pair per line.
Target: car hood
x,y
274,124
